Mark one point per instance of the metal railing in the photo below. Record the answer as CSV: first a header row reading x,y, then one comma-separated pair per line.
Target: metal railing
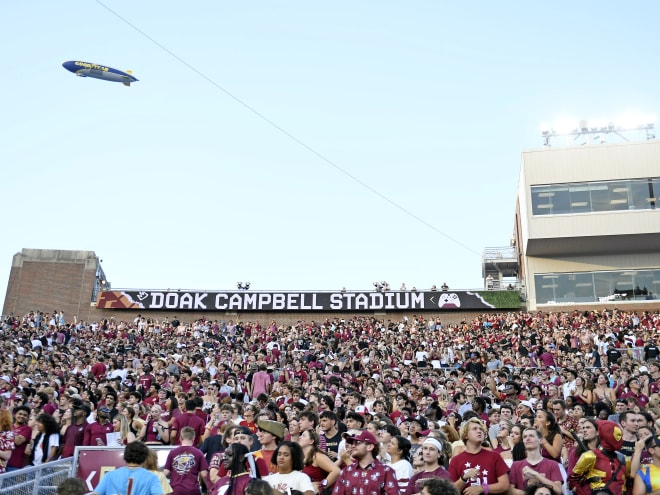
x,y
499,253
37,480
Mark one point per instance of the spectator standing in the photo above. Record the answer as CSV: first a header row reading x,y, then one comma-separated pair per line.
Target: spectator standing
x,y
400,459
151,465
432,454
534,469
328,422
96,432
243,436
22,437
647,479
476,470
185,465
238,475
289,476
132,476
270,434
46,443
7,444
74,435
190,419
318,466
367,474
261,382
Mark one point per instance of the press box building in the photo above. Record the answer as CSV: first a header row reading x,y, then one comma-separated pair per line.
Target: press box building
x,y
587,226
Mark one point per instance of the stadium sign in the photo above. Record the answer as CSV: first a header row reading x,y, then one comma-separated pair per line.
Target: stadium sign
x,y
291,301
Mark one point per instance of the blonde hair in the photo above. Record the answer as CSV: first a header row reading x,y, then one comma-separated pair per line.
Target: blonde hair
x,y
123,425
465,427
151,462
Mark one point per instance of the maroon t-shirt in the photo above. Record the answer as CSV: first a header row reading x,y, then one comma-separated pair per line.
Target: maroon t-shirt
x,y
491,466
184,464
17,459
73,436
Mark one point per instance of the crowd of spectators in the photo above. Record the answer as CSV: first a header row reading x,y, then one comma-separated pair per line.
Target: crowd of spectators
x,y
415,385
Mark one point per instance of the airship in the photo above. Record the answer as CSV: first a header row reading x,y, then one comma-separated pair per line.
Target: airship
x,y
86,69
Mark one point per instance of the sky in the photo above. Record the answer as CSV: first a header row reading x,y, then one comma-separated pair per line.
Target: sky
x,y
297,145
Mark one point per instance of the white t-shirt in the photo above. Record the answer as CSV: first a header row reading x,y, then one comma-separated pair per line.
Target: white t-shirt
x,y
295,480
39,457
404,471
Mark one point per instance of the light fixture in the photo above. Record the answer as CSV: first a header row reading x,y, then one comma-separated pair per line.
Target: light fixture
x,y
592,129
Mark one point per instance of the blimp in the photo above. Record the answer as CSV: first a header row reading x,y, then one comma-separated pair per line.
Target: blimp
x,y
87,69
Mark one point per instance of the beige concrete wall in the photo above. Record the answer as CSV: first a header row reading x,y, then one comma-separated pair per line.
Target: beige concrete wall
x,y
594,224
587,164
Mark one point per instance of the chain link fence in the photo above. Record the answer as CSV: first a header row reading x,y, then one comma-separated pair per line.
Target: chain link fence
x,y
37,480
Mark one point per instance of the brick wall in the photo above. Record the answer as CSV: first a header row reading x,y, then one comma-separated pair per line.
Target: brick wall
x,y
49,280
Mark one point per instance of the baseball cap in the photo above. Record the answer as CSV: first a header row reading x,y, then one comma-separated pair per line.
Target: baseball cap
x,y
85,408
421,420
362,410
243,430
363,436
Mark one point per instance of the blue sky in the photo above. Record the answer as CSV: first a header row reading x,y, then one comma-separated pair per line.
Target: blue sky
x,y
176,184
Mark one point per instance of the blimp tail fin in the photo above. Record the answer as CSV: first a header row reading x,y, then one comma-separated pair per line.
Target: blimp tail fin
x,y
128,83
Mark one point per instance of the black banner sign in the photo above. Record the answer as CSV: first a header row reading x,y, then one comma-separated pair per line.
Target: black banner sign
x,y
290,301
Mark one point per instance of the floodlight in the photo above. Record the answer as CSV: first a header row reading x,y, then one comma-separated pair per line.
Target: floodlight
x,y
595,130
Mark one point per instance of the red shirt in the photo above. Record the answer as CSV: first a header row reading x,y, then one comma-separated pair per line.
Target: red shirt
x,y
250,424
188,419
415,484
490,463
17,460
73,436
95,434
184,464
642,400
547,467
